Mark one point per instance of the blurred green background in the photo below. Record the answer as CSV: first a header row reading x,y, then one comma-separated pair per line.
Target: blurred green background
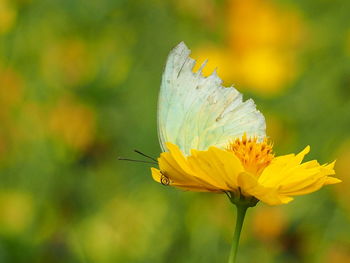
x,y
78,87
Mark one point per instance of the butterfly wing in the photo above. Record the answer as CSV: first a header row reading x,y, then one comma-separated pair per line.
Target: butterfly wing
x,y
195,112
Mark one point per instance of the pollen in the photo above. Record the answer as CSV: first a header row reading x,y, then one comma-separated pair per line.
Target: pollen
x,y
254,155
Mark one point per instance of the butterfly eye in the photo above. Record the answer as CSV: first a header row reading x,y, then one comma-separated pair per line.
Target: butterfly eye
x,y
164,180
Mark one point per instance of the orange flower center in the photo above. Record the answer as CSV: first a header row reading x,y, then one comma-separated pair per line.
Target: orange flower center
x,y
254,155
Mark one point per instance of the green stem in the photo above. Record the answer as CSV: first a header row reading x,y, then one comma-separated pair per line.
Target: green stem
x,y
241,210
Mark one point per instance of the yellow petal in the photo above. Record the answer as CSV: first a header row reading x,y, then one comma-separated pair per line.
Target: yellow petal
x,y
216,166
172,169
178,175
197,188
306,180
300,156
249,186
156,175
332,180
211,170
178,156
290,177
231,164
205,168
175,166
282,168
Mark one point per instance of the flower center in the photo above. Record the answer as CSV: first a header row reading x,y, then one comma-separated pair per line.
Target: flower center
x,y
254,155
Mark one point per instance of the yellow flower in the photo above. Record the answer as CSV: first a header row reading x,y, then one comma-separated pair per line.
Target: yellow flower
x,y
17,210
79,134
8,15
262,227
258,52
246,169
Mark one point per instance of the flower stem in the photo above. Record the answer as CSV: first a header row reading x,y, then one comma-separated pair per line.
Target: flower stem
x,y
241,210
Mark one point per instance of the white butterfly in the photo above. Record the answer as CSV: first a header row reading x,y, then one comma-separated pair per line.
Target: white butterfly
x,y
195,112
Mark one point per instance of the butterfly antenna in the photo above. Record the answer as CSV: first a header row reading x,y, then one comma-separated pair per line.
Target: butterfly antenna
x,y
133,160
145,155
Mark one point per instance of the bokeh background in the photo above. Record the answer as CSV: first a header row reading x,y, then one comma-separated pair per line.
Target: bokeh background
x,y
78,87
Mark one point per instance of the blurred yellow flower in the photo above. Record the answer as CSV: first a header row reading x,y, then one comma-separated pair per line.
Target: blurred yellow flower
x,y
339,253
262,227
74,123
105,234
11,98
8,16
265,70
260,51
16,211
68,62
262,23
217,60
11,86
246,169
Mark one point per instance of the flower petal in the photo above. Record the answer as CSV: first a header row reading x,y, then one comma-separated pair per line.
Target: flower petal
x,y
175,166
291,178
178,156
249,184
332,180
213,170
156,175
281,168
217,166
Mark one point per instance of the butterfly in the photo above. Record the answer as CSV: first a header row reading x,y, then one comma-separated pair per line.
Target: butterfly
x,y
195,112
